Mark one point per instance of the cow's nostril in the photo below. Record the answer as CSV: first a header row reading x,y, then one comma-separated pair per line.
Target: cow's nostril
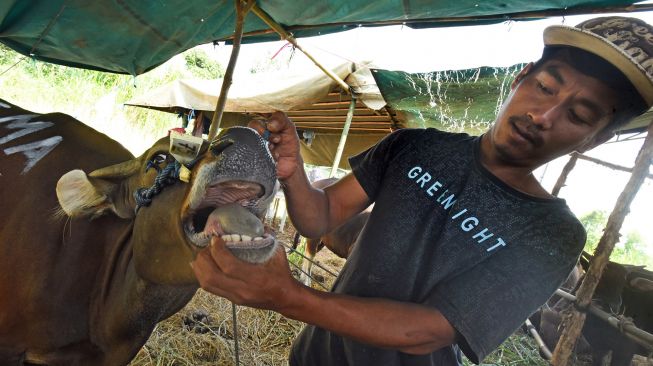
x,y
217,147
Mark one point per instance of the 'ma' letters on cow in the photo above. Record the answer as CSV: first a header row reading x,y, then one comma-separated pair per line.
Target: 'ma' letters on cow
x,y
33,151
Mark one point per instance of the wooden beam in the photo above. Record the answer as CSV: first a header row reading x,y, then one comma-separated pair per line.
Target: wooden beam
x,y
563,175
573,325
334,112
343,138
338,119
330,105
607,165
241,11
379,130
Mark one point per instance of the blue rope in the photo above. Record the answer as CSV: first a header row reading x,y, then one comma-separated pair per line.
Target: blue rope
x,y
165,177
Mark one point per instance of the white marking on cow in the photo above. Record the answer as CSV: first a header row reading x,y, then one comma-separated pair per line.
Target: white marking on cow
x,y
35,151
25,129
4,105
20,117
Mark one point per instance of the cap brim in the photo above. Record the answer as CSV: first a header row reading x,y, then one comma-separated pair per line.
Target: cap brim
x,y
562,35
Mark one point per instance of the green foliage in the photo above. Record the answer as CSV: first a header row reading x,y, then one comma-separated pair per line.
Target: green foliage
x,y
294,258
201,66
517,350
631,249
594,222
96,98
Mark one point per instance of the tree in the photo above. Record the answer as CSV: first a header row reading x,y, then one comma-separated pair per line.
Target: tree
x,y
201,66
594,223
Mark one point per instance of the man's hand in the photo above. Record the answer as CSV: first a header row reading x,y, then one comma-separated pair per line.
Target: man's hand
x,y
264,286
284,143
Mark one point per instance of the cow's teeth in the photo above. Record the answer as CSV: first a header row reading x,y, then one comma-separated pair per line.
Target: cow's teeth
x,y
226,237
235,237
245,238
258,238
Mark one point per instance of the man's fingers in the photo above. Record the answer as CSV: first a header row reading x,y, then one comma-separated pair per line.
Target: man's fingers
x,y
223,257
205,269
258,125
279,122
211,278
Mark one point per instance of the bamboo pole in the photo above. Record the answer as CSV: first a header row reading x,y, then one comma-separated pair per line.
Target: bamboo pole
x,y
631,331
546,353
607,164
343,137
288,37
241,11
564,174
573,325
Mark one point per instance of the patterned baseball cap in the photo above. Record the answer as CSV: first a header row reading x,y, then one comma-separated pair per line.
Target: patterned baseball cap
x,y
626,43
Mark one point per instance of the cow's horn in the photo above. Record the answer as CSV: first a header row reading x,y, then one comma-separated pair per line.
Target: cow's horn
x,y
118,170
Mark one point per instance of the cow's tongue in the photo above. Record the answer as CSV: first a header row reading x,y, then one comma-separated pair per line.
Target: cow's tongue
x,y
233,219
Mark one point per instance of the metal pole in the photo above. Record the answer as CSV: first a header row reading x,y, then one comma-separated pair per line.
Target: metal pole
x,y
241,11
574,324
288,37
343,137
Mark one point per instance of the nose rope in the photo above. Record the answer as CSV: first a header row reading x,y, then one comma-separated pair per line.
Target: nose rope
x,y
165,177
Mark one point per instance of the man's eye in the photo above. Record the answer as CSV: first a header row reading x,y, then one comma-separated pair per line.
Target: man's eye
x,y
574,117
544,88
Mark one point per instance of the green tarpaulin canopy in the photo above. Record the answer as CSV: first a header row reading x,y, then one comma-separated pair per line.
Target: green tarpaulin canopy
x,y
133,36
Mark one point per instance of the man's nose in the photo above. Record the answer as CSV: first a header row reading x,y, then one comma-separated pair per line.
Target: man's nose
x,y
544,116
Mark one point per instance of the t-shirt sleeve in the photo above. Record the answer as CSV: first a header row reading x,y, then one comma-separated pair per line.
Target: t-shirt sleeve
x,y
369,166
487,303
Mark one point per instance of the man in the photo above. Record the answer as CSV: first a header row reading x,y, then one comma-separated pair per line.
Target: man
x,y
463,243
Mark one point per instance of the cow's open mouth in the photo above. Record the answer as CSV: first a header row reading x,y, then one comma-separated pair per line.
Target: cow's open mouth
x,y
226,211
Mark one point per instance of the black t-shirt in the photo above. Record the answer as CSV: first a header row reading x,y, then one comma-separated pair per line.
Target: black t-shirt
x,y
446,233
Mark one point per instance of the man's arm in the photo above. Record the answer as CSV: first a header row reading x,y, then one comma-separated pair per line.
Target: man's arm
x,y
313,211
406,327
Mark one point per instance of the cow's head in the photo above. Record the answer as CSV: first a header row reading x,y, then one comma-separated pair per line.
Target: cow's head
x,y
232,184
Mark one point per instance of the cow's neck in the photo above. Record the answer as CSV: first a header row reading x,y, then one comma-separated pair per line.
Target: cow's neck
x,y
127,305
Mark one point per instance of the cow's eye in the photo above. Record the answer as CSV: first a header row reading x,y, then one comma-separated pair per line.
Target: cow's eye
x,y
156,161
159,158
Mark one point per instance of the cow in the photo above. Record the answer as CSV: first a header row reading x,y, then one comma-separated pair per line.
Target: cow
x,y
623,290
95,244
340,240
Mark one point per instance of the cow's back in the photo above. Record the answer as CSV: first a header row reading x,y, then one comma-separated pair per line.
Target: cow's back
x,y
43,261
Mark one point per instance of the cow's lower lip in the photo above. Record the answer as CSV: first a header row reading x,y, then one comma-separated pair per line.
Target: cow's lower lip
x,y
251,235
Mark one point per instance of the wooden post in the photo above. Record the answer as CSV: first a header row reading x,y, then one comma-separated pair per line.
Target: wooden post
x,y
573,325
343,137
563,175
241,11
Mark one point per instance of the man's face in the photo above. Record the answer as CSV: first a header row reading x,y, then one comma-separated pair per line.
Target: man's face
x,y
550,112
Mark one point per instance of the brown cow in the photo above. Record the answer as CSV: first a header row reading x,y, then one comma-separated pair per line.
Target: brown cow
x,y
89,288
340,240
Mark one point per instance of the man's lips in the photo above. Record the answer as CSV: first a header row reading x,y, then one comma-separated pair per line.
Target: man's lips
x,y
521,128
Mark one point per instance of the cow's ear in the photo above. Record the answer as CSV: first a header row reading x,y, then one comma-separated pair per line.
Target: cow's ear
x,y
80,195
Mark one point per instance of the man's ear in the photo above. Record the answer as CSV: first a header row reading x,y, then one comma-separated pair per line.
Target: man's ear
x,y
522,74
597,140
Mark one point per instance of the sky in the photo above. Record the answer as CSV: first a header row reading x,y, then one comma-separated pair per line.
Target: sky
x,y
589,186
